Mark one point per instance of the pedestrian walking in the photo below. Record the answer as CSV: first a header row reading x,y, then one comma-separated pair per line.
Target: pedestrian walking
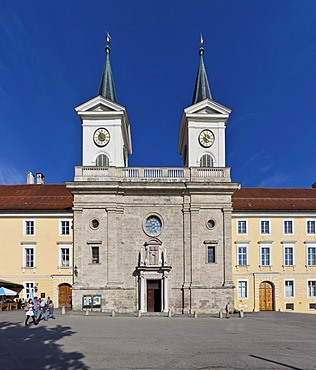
x,y
29,312
36,307
227,310
51,310
42,306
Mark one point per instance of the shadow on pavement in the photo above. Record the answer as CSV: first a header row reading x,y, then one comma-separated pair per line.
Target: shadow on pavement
x,y
36,347
276,362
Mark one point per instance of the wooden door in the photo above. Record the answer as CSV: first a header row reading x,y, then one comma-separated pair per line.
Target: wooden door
x,y
64,295
153,296
266,297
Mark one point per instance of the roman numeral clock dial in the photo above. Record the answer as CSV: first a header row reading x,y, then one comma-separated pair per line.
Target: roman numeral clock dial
x,y
206,138
101,137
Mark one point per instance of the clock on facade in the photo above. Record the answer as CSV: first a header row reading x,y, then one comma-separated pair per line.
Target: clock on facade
x,y
101,136
206,138
153,225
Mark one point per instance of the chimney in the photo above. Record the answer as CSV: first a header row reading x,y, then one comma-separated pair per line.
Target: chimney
x,y
39,178
30,178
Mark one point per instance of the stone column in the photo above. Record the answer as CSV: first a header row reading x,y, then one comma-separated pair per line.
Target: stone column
x,y
165,294
142,294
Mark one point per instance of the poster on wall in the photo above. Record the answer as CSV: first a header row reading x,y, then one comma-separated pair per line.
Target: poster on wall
x,y
97,300
87,301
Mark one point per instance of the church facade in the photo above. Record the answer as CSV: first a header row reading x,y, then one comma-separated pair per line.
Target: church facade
x,y
153,239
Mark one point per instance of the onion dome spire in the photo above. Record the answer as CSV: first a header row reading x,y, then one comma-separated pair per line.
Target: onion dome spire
x,y
107,88
202,88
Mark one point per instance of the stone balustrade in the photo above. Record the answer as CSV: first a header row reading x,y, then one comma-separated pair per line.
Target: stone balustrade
x,y
136,174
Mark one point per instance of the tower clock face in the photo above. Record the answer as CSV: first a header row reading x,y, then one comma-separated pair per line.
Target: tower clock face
x,y
101,137
206,138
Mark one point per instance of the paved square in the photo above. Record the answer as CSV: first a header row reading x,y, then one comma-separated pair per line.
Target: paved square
x,y
258,341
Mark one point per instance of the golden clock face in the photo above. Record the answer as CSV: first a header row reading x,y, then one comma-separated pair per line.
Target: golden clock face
x,y
101,137
206,138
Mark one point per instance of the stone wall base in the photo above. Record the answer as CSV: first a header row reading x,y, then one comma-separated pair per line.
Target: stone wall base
x,y
186,300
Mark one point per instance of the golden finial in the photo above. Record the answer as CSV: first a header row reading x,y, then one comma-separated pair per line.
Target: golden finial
x,y
108,38
201,40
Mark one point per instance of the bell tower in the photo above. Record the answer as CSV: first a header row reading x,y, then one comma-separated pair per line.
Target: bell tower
x,y
105,125
202,130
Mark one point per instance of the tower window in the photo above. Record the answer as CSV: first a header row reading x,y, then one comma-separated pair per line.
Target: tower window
x,y
102,160
95,255
211,255
206,161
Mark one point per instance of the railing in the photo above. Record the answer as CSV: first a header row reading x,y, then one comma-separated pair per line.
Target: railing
x,y
94,173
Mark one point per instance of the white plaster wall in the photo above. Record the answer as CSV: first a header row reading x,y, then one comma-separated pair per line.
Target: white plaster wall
x,y
114,149
195,150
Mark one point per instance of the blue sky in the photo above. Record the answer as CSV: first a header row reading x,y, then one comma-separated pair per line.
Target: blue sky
x,y
260,58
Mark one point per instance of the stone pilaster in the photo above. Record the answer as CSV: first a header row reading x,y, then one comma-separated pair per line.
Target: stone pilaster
x,y
195,246
227,248
112,250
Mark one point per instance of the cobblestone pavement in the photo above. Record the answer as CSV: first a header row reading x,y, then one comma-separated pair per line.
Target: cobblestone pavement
x,y
271,340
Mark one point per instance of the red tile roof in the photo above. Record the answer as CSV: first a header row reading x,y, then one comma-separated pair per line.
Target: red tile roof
x,y
35,197
57,198
265,199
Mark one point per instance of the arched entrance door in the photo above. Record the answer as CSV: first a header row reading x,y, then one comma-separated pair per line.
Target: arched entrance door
x,y
266,302
64,295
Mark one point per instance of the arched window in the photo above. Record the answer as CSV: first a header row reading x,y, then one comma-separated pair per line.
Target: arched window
x,y
102,160
206,161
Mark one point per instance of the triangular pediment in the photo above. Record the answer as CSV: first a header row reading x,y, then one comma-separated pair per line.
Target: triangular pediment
x,y
100,104
208,107
100,108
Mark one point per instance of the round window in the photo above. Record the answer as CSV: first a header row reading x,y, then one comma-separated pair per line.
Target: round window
x,y
95,223
210,224
153,225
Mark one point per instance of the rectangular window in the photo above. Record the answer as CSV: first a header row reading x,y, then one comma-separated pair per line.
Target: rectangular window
x,y
312,306
265,227
288,227
64,227
311,288
289,288
29,257
242,256
242,289
210,254
311,256
241,227
265,256
29,227
288,256
29,287
289,306
95,255
311,227
65,257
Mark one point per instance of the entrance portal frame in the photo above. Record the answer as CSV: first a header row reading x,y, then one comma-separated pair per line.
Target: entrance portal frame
x,y
153,273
